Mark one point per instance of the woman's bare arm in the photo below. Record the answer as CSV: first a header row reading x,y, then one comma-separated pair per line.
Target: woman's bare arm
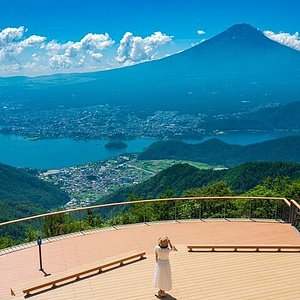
x,y
172,246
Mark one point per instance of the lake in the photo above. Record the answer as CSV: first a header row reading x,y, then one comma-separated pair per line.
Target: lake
x,y
57,153
252,137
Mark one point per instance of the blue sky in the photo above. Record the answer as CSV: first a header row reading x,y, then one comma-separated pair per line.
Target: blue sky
x,y
49,36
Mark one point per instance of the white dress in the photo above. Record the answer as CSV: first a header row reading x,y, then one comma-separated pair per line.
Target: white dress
x,y
162,277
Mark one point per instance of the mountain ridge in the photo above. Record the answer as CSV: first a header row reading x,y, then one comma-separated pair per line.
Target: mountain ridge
x,y
17,185
214,151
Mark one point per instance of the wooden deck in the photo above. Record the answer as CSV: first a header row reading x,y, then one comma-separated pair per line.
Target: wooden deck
x,y
207,275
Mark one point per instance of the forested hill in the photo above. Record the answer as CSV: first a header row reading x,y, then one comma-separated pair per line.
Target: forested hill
x,y
280,117
27,193
181,177
215,151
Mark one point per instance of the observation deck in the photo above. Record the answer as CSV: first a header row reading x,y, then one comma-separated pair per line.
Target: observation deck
x,y
222,274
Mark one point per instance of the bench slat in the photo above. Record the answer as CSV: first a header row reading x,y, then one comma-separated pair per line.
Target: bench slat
x,y
236,247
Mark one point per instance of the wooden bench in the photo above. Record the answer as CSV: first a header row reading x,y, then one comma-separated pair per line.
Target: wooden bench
x,y
248,247
52,283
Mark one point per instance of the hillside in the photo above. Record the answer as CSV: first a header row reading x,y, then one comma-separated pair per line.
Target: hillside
x,y
280,117
236,70
214,151
181,177
26,193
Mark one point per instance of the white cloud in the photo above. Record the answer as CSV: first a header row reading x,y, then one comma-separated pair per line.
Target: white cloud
x,y
287,39
77,54
96,41
33,41
35,57
33,53
201,32
136,49
13,44
11,35
95,56
157,39
54,47
29,54
11,68
60,62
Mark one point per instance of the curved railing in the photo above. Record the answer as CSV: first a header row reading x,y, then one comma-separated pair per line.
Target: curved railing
x,y
278,208
125,203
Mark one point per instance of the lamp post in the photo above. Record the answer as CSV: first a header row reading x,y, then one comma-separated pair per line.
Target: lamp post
x,y
39,243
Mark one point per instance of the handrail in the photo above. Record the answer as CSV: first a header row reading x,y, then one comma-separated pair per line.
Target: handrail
x,y
145,201
287,202
296,204
294,215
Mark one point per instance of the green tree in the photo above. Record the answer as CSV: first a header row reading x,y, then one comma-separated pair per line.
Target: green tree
x,y
92,221
206,208
6,241
60,224
280,186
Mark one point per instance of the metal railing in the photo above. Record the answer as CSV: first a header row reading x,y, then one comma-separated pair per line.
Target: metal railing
x,y
294,214
226,207
117,204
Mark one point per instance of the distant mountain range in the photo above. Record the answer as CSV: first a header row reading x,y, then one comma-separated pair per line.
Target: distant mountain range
x,y
283,116
279,117
215,151
236,70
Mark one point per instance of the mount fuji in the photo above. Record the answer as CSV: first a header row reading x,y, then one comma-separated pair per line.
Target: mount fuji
x,y
236,70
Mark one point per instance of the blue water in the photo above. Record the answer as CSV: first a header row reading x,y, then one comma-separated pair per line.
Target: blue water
x,y
57,153
251,137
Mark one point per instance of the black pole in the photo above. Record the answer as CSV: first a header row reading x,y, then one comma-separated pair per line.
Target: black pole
x,y
39,242
40,255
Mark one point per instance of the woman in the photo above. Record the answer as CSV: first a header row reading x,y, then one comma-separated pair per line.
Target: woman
x,y
162,278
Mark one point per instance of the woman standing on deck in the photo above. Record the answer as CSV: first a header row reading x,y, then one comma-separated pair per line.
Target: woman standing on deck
x,y
162,278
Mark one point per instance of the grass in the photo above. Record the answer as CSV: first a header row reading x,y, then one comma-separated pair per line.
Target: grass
x,y
156,166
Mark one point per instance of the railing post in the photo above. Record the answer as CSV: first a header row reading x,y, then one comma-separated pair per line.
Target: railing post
x,y
80,228
292,213
175,210
285,211
224,209
110,215
200,209
250,209
40,225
